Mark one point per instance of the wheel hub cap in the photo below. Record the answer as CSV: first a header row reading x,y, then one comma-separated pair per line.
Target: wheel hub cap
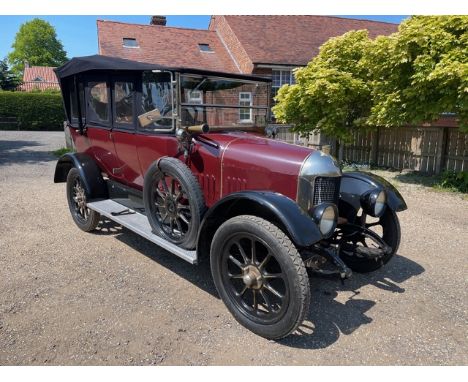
x,y
171,208
80,197
252,277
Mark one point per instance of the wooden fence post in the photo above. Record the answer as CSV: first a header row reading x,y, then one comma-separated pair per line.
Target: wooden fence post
x,y
442,143
374,150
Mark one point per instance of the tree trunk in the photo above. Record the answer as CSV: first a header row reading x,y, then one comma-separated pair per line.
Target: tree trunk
x,y
339,142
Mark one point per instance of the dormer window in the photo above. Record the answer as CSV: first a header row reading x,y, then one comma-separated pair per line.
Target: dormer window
x,y
129,42
205,48
38,79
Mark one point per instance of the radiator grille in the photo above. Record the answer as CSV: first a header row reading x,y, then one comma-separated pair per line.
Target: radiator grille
x,y
326,190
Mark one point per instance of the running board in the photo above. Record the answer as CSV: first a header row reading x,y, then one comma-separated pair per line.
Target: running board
x,y
139,224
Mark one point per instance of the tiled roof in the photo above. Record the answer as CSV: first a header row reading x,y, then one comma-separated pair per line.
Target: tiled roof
x,y
294,40
40,78
44,73
164,45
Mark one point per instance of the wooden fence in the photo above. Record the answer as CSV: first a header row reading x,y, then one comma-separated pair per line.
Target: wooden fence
x,y
429,149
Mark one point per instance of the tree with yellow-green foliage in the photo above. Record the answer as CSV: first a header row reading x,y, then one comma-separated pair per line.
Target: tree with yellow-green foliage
x,y
409,77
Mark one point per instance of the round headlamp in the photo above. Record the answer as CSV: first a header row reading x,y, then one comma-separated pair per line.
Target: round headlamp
x,y
373,203
326,217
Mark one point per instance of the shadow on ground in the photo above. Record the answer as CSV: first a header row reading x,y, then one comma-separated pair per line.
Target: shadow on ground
x,y
199,275
18,152
327,318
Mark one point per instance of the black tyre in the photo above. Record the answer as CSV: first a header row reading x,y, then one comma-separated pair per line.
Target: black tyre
x,y
386,227
85,218
260,276
173,202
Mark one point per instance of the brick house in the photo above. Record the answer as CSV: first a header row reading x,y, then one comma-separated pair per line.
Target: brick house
x,y
39,78
269,46
262,45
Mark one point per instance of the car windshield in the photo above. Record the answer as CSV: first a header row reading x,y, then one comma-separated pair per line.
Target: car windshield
x,y
222,102
156,101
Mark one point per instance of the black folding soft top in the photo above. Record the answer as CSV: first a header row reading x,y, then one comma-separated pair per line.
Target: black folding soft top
x,y
98,62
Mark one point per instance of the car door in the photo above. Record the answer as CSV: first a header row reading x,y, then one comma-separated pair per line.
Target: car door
x,y
124,96
99,122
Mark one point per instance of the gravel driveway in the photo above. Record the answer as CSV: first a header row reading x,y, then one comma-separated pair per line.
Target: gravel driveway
x,y
68,297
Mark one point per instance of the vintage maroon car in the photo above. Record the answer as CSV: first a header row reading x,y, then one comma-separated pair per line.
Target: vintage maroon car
x,y
180,157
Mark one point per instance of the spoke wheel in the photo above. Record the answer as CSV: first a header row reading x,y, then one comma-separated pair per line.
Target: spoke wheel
x,y
260,276
79,200
254,278
172,207
383,238
84,217
174,202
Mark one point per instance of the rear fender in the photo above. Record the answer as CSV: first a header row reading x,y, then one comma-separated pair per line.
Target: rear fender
x,y
90,173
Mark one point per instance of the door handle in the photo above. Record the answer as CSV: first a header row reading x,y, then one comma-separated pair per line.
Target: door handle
x,y
117,170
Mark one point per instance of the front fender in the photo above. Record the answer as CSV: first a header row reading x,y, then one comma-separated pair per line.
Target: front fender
x,y
90,173
356,183
271,206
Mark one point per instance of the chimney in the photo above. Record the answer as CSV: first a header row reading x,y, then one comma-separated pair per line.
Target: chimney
x,y
26,64
158,20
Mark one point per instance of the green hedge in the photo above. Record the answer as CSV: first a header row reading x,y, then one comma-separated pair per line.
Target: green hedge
x,y
33,111
454,181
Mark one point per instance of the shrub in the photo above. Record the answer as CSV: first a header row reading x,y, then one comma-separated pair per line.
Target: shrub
x,y
33,111
455,181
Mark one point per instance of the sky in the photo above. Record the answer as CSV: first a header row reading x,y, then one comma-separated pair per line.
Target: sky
x,y
79,34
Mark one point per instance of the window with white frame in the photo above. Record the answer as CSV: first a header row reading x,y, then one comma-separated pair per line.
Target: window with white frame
x,y
280,78
195,96
245,114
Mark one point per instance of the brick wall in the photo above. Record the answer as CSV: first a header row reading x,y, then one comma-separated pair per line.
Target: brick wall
x,y
227,36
